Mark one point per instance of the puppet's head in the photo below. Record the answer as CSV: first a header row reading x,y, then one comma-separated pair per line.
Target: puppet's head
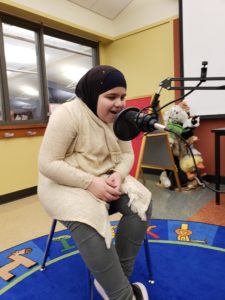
x,y
180,114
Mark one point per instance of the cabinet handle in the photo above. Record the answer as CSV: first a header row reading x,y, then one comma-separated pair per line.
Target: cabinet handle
x,y
31,133
9,134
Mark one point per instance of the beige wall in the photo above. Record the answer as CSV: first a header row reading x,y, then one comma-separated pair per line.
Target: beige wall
x,y
145,57
18,161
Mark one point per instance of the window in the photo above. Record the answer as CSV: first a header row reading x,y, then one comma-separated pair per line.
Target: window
x,y
23,78
40,69
66,63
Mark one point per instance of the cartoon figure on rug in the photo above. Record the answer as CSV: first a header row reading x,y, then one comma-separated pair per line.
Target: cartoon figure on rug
x,y
151,233
114,228
17,259
183,235
63,239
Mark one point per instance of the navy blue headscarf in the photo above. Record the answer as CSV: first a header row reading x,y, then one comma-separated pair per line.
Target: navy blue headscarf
x,y
96,81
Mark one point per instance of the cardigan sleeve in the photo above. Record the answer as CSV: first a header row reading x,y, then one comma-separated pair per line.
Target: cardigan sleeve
x,y
127,159
60,134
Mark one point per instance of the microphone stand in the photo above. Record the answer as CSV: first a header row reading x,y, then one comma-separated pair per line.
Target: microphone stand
x,y
167,83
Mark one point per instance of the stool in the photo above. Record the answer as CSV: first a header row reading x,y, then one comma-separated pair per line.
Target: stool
x,y
146,250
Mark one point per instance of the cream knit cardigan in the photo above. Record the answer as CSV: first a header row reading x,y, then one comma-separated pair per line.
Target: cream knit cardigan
x,y
77,146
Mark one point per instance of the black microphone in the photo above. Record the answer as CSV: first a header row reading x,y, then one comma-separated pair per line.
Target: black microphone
x,y
131,121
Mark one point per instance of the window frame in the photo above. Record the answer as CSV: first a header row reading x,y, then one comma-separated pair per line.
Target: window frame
x,y
21,128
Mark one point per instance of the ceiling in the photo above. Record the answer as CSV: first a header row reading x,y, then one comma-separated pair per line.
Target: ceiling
x,y
109,9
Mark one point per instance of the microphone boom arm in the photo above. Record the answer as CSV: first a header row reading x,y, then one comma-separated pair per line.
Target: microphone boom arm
x,y
167,83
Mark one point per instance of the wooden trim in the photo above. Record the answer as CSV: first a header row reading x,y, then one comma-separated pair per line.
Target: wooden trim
x,y
22,130
18,195
140,157
176,47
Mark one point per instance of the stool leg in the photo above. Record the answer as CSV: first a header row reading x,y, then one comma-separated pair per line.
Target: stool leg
x,y
48,244
148,260
91,286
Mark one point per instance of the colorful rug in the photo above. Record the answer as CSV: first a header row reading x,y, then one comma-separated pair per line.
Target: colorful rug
x,y
188,262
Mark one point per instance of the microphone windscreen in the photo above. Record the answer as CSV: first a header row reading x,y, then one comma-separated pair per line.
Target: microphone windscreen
x,y
124,125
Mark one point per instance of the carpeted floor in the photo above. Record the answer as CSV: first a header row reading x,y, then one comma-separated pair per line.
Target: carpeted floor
x,y
211,213
188,261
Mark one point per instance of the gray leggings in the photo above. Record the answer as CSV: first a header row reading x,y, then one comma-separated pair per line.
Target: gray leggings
x,y
112,267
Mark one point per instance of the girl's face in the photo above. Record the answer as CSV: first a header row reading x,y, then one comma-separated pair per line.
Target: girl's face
x,y
110,103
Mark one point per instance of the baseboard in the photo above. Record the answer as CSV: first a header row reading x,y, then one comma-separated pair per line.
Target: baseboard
x,y
18,195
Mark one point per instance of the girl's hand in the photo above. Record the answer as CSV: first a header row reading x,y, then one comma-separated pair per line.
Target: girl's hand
x,y
103,190
115,180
